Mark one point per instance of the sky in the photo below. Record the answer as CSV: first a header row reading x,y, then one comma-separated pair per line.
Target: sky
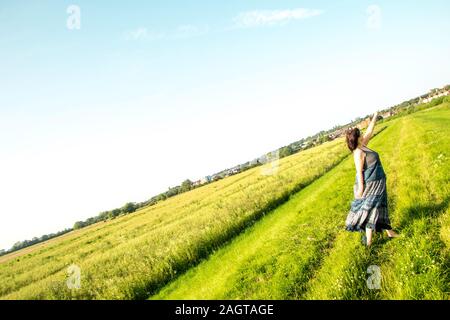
x,y
102,102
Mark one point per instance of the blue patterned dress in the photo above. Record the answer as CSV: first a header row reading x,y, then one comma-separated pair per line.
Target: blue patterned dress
x,y
371,210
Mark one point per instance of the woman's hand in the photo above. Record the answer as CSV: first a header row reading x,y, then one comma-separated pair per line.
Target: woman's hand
x,y
372,118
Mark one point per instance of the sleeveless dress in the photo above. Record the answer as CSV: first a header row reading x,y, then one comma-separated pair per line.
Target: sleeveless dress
x,y
371,210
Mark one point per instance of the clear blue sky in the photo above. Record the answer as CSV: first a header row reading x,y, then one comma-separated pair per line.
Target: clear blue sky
x,y
148,93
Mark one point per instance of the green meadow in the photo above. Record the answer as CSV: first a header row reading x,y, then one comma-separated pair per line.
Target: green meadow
x,y
135,255
301,251
277,236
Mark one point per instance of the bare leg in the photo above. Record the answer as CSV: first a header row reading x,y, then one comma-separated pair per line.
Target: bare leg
x,y
369,236
392,234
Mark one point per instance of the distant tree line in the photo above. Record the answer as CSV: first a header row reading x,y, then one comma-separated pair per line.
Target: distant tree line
x,y
26,243
185,186
409,107
103,216
129,207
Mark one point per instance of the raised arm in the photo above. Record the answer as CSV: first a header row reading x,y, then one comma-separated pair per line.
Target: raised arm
x,y
368,134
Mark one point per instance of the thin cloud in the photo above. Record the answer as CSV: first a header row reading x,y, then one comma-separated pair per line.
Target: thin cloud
x,y
143,33
189,30
257,18
182,31
374,19
139,33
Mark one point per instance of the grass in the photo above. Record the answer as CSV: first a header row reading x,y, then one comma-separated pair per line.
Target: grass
x,y
281,236
414,266
133,256
300,250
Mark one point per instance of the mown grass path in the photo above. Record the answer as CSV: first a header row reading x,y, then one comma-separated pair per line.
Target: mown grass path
x,y
300,250
414,266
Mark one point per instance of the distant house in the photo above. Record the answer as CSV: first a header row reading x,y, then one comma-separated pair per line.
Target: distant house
x,y
196,183
219,175
336,134
305,144
205,179
386,114
436,93
363,124
235,170
443,93
424,99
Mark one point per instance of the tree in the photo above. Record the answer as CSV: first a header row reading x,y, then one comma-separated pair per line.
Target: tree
x,y
324,138
186,185
90,221
115,212
286,151
129,207
434,90
161,197
173,191
78,225
103,215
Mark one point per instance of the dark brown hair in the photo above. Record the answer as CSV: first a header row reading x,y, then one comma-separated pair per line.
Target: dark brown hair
x,y
352,136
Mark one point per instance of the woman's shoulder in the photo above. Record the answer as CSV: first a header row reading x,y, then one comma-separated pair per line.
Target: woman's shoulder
x,y
358,153
358,150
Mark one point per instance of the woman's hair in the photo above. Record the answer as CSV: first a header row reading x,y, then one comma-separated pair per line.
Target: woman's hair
x,y
352,136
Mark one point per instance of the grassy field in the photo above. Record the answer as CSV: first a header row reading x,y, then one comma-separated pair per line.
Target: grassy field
x,y
300,250
271,237
133,256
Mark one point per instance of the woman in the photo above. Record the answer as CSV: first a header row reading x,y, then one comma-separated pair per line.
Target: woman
x,y
369,209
